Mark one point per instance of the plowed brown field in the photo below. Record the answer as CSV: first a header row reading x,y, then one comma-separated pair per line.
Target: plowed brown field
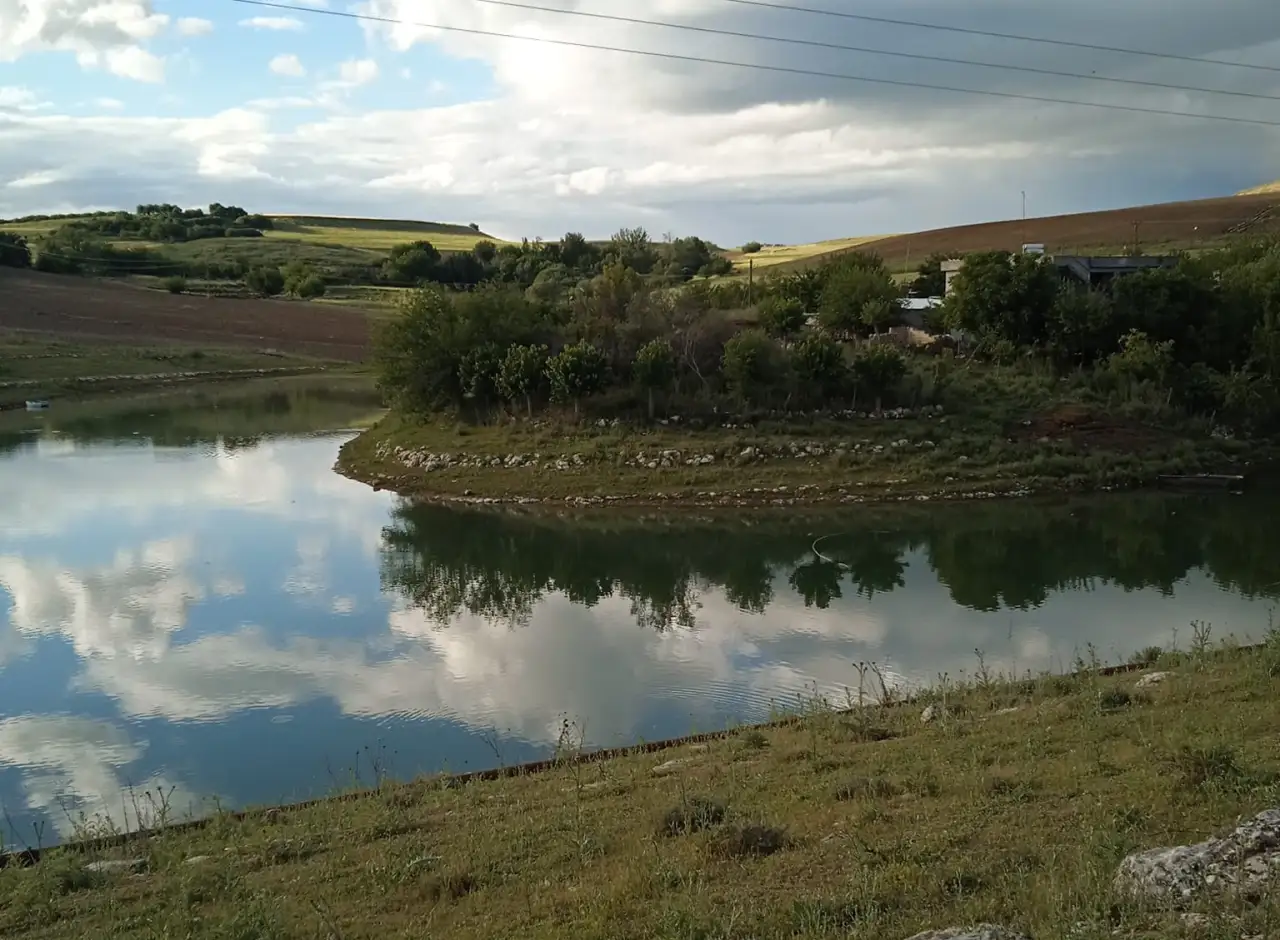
x,y
75,307
1166,226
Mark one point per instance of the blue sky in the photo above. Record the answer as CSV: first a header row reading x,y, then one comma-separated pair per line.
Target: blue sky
x,y
114,102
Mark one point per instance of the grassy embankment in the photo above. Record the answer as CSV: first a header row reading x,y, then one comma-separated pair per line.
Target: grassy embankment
x,y
1015,806
40,367
1002,430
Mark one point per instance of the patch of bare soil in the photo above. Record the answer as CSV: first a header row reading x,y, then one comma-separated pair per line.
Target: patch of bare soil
x,y
1090,431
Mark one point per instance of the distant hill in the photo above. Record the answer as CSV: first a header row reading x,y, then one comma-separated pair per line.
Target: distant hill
x,y
1165,227
1261,190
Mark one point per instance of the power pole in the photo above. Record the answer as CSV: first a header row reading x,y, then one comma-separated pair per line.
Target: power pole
x,y
751,279
1136,248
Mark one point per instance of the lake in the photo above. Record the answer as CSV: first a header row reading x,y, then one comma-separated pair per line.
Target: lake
x,y
193,603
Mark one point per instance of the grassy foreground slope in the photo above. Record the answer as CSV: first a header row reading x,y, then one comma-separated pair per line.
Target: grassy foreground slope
x,y
1015,806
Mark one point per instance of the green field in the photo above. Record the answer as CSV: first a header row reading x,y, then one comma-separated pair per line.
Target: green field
x,y
771,255
375,234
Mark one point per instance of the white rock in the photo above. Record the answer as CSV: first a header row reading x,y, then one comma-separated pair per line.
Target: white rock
x,y
198,859
929,714
1245,861
980,932
670,766
1152,678
116,866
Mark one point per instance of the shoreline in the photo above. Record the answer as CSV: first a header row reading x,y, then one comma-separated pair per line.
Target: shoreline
x,y
714,469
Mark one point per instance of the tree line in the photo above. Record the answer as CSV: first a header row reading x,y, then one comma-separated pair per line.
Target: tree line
x,y
1199,338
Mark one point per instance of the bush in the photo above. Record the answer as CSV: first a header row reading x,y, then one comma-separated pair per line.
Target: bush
x,y
14,252
175,285
265,280
750,248
751,364
877,370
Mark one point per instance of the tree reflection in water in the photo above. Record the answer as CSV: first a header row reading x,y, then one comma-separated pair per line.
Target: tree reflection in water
x,y
1000,555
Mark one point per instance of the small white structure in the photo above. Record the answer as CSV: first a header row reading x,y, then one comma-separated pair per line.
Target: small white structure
x,y
38,405
1036,248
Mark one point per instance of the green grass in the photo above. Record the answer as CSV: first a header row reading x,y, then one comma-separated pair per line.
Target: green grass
x,y
37,367
1014,808
375,234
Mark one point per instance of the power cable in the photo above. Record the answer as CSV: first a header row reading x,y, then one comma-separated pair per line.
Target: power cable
x,y
786,70
971,31
915,56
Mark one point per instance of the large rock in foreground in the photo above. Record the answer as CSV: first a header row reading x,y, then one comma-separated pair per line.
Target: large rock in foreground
x,y
1244,862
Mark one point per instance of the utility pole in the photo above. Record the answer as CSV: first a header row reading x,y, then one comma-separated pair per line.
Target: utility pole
x,y
1024,219
751,278
1136,248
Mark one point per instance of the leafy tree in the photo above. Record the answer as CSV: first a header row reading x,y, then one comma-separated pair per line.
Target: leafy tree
x,y
14,252
930,280
633,248
478,374
1081,327
485,250
848,288
781,317
522,373
654,368
818,364
804,287
576,372
265,280
552,285
750,248
1005,296
877,369
879,313
417,353
413,261
751,364
577,253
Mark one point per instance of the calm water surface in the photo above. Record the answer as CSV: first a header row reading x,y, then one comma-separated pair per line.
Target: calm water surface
x,y
191,600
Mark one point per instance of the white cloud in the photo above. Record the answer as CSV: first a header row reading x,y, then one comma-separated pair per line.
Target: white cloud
x,y
109,104
273,22
603,139
287,64
358,71
100,33
194,26
136,63
32,180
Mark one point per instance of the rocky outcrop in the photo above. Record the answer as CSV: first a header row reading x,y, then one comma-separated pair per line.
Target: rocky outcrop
x,y
1244,862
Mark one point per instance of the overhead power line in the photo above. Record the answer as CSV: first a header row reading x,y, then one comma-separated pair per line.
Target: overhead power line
x,y
864,50
970,31
756,66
